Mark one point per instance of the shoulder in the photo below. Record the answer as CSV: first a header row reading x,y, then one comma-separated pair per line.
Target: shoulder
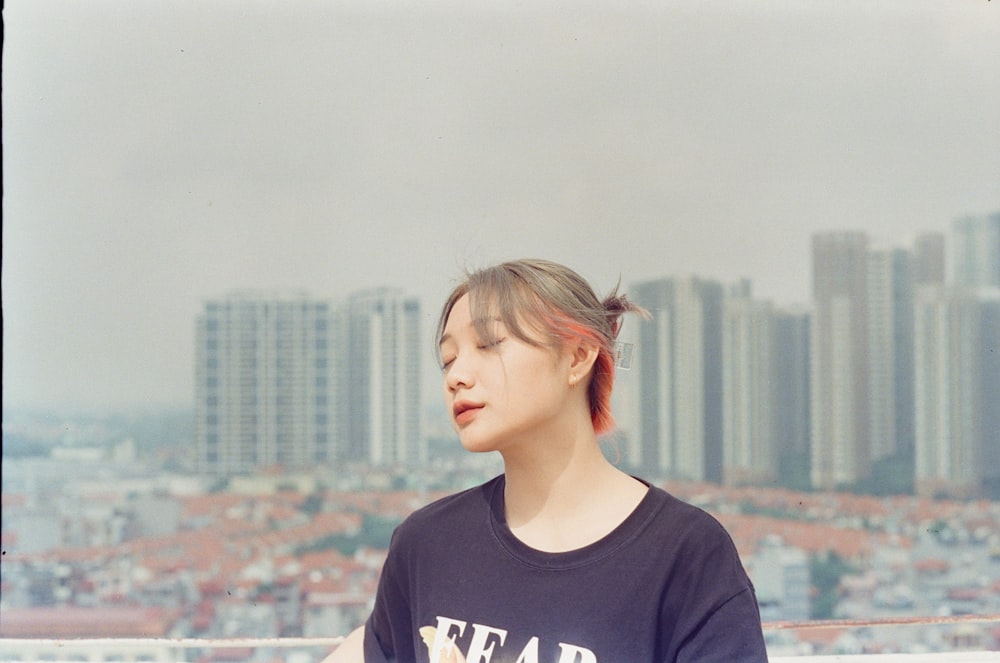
x,y
700,563
459,510
683,526
684,517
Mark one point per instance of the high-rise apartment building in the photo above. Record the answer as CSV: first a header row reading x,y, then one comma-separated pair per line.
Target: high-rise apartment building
x,y
976,244
267,388
680,378
863,357
989,370
840,449
947,392
765,368
791,384
750,450
976,276
890,278
383,367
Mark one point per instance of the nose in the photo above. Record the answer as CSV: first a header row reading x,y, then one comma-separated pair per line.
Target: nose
x,y
458,375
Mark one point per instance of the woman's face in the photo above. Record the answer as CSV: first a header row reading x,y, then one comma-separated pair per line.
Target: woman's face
x,y
504,394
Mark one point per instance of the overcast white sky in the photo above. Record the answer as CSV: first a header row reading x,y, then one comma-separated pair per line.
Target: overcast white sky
x,y
160,153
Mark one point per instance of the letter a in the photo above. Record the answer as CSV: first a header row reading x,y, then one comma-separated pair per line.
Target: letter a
x,y
530,652
568,654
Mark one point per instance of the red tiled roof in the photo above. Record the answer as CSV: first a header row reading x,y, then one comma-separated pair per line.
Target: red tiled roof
x,y
813,537
820,635
932,565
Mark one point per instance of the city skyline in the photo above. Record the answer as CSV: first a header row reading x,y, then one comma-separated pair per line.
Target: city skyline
x,y
157,155
883,384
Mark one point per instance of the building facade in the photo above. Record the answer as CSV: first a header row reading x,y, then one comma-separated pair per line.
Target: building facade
x,y
976,251
890,278
383,367
840,448
750,451
283,379
792,386
680,378
948,400
266,382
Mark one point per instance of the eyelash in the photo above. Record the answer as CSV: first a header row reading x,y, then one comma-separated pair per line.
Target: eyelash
x,y
480,346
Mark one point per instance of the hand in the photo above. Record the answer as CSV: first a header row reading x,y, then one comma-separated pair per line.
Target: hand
x,y
448,652
351,650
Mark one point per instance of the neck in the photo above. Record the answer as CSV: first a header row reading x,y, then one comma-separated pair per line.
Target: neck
x,y
565,494
552,473
553,458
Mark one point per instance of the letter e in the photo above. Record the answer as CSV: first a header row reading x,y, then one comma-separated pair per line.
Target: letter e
x,y
478,651
442,639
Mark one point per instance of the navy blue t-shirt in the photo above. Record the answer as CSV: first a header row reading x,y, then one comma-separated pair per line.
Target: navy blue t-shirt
x,y
666,585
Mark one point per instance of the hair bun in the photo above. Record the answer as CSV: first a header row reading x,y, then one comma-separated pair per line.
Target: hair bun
x,y
617,304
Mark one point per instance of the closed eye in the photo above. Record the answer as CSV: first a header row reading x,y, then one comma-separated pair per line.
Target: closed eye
x,y
487,345
491,344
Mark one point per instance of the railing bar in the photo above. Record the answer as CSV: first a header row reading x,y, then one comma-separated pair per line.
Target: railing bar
x,y
179,643
882,621
198,643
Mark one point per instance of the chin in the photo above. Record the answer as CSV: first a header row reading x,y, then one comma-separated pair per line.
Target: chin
x,y
476,445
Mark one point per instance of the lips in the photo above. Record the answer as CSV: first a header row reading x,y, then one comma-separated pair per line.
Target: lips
x,y
465,411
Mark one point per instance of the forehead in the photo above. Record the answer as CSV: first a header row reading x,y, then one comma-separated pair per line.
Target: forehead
x,y
487,316
462,316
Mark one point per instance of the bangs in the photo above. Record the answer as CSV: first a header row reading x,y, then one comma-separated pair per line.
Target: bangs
x,y
500,296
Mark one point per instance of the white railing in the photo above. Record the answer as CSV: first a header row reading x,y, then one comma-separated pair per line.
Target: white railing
x,y
299,650
312,650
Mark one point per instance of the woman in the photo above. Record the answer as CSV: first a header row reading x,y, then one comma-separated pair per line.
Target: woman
x,y
563,558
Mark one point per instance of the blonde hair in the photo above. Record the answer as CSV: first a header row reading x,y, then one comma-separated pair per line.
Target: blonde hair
x,y
540,299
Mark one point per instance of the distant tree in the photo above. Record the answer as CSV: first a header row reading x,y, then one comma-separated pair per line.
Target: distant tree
x,y
375,532
313,504
892,475
825,572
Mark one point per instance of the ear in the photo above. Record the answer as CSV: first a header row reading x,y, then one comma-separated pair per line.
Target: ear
x,y
583,354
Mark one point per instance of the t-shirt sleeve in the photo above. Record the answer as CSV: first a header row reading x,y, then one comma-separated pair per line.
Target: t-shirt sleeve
x,y
387,631
715,611
373,649
731,633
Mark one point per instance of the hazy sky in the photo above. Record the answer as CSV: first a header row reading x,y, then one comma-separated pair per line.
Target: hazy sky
x,y
160,153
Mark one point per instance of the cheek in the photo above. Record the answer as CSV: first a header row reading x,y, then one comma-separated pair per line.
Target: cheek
x,y
533,380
